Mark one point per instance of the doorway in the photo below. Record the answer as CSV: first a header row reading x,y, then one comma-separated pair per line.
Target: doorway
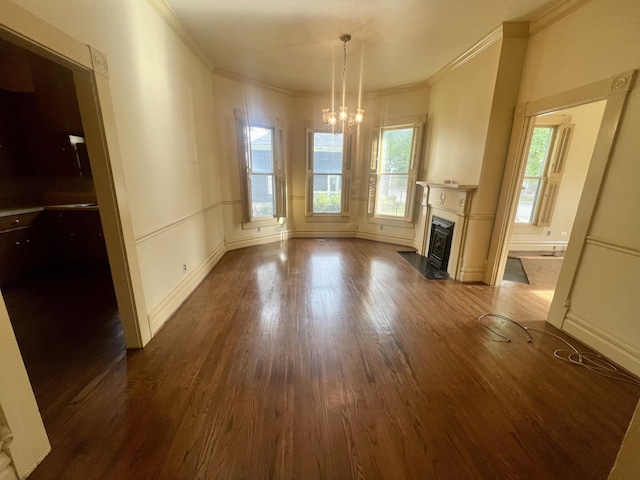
x,y
552,177
615,91
54,267
89,70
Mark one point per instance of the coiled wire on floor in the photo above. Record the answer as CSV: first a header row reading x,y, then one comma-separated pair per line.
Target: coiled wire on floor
x,y
589,360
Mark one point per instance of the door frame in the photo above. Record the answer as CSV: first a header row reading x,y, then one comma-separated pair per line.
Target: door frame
x,y
91,77
615,90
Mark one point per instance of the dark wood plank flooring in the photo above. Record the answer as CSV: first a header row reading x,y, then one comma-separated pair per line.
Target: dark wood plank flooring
x,y
316,359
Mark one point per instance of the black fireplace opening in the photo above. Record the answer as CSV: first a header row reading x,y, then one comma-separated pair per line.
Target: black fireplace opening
x,y
440,242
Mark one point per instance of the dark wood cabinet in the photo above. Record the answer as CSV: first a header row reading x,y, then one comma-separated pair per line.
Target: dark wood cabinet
x,y
75,235
22,249
52,237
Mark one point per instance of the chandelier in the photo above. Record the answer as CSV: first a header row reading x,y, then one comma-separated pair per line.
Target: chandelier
x,y
345,120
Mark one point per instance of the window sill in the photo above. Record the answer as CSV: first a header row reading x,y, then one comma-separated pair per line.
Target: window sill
x,y
390,222
327,218
266,222
527,228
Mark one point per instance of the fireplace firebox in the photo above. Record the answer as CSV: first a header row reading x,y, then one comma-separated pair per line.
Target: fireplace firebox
x,y
440,242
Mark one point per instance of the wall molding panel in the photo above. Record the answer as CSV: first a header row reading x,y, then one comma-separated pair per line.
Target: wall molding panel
x,y
142,238
603,341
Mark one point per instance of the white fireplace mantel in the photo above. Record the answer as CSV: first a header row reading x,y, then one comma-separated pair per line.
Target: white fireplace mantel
x,y
452,202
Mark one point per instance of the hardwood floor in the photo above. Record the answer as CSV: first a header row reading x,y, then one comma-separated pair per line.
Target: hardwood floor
x,y
328,359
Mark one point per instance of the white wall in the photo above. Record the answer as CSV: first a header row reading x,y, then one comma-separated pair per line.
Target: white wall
x,y
587,119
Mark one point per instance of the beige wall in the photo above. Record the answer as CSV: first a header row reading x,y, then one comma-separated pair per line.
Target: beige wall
x,y
459,110
596,42
587,119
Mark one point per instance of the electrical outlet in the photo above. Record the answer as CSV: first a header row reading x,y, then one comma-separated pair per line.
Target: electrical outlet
x,y
563,234
381,227
184,268
548,233
258,229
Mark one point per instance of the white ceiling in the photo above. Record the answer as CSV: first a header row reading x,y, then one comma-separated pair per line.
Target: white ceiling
x,y
291,43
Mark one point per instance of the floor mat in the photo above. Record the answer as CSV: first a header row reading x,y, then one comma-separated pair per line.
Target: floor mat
x,y
514,272
425,268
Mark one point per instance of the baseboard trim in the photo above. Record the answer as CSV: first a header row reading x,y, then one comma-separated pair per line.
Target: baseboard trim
x,y
254,241
169,304
611,346
325,234
539,245
471,274
381,237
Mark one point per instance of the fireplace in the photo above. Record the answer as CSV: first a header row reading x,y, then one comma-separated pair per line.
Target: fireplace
x,y
440,242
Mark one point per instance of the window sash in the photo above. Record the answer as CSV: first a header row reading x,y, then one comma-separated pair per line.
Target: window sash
x,y
391,203
376,205
276,177
327,201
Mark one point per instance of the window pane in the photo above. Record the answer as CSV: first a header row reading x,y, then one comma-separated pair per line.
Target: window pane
x,y
538,151
261,149
262,198
528,199
391,195
327,193
327,153
396,150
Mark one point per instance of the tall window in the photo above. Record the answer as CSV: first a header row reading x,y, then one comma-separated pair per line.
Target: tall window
x,y
539,152
262,170
262,166
541,181
393,170
327,176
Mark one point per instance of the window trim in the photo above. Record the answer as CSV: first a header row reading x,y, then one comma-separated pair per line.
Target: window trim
x,y
347,152
407,220
543,175
552,173
279,169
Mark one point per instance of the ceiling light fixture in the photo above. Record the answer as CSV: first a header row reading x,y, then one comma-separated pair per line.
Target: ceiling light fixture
x,y
345,120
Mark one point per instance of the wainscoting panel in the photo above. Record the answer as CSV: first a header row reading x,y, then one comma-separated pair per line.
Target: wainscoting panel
x,y
608,319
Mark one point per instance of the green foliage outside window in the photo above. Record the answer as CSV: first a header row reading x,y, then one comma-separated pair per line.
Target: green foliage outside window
x,y
538,151
326,202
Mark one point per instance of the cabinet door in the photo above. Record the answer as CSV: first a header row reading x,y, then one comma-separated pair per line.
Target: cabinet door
x,y
20,254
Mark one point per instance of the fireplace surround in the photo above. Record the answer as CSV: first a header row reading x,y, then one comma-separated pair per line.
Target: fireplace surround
x,y
445,203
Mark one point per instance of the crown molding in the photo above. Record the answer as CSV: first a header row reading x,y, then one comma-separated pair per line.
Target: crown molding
x,y
474,50
410,87
251,81
174,22
554,14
